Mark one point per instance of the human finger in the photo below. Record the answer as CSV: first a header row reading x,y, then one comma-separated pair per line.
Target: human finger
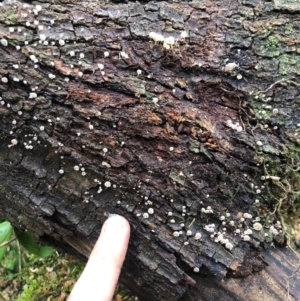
x,y
100,276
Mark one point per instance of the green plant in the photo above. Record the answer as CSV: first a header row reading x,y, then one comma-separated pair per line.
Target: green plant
x,y
8,234
40,272
6,231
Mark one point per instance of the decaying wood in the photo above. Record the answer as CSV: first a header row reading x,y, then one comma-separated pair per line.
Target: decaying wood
x,y
278,281
97,117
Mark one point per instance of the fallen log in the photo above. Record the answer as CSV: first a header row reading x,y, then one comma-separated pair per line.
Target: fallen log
x,y
182,117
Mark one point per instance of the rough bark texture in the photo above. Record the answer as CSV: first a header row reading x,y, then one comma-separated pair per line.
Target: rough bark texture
x,y
157,139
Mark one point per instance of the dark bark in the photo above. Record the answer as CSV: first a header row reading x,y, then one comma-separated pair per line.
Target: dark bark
x,y
176,154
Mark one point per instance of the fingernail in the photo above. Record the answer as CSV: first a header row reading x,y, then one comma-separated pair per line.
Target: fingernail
x,y
114,223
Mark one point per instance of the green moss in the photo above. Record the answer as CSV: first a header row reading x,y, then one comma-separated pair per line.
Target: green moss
x,y
270,48
281,166
289,29
284,186
53,276
260,103
10,16
289,64
273,42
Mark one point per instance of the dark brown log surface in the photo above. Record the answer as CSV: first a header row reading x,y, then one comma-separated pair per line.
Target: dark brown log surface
x,y
96,117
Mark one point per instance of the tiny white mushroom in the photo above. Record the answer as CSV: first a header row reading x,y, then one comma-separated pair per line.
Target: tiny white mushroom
x,y
32,95
156,37
169,42
38,7
107,184
150,210
273,230
248,232
61,42
155,100
176,234
14,141
247,215
42,37
197,236
4,42
229,246
239,128
246,238
257,226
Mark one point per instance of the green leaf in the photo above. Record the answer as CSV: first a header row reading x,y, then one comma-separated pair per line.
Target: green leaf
x,y
27,241
6,230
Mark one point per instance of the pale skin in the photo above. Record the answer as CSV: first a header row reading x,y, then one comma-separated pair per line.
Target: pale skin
x,y
100,276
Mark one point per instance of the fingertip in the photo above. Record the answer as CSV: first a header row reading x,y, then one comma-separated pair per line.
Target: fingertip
x,y
113,240
118,221
101,273
115,226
